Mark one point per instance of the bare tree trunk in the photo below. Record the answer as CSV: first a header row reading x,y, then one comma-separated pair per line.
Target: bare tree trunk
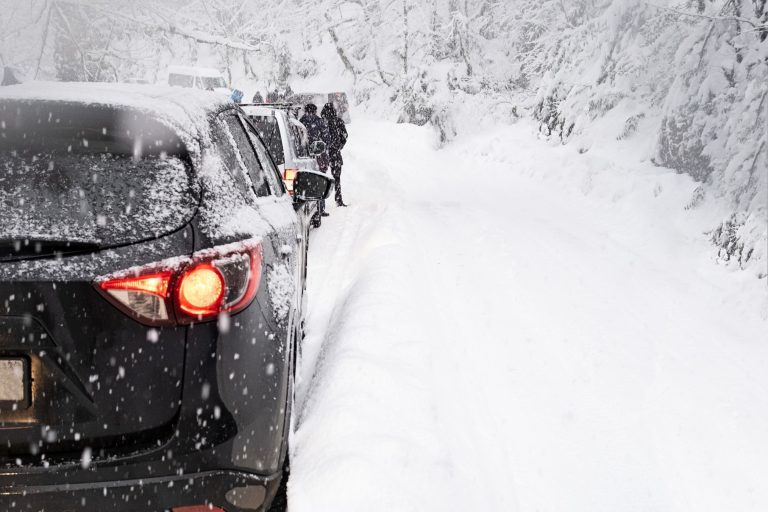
x,y
340,51
73,40
228,61
104,55
249,71
405,37
45,41
434,27
376,59
465,56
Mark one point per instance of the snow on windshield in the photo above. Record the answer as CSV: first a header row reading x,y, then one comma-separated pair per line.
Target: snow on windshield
x,y
102,199
89,173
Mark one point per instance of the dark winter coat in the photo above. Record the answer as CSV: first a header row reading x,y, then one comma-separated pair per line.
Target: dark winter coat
x,y
317,128
337,131
257,98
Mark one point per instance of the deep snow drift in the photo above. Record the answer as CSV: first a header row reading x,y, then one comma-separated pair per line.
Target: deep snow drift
x,y
509,326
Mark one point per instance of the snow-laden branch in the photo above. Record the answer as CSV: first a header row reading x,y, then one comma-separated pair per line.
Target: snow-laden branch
x,y
163,24
202,37
739,19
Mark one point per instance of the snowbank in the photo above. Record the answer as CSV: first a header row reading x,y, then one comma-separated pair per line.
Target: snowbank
x,y
693,81
518,326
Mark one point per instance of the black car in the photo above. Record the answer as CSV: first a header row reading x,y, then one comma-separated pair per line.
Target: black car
x,y
151,277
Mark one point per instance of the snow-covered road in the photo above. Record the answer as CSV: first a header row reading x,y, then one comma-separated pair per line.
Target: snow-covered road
x,y
511,326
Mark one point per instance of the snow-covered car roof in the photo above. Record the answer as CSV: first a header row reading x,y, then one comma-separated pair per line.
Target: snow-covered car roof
x,y
194,71
186,110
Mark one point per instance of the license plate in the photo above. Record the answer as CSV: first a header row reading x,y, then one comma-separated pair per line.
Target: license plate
x,y
13,380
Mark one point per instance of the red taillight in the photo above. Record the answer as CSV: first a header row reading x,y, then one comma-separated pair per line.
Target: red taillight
x,y
198,289
289,177
143,296
155,284
201,290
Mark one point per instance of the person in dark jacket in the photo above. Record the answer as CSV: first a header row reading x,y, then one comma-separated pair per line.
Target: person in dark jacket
x,y
258,98
337,131
273,97
317,130
317,127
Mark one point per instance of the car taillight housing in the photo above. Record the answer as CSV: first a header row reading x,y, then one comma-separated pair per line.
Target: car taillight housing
x,y
289,177
188,290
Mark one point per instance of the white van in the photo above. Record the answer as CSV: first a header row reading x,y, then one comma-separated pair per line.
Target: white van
x,y
207,79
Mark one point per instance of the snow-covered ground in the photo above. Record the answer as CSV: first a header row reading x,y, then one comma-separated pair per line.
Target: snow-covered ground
x,y
508,325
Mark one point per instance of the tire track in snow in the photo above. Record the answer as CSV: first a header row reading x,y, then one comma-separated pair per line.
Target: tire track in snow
x,y
326,278
373,383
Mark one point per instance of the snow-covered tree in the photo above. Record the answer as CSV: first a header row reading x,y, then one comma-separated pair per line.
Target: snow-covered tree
x,y
691,74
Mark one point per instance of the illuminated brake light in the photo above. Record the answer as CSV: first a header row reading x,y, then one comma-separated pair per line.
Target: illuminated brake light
x,y
141,296
289,177
201,290
155,284
198,289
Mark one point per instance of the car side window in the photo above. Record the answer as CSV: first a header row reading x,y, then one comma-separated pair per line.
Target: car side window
x,y
223,142
269,132
300,141
248,158
270,170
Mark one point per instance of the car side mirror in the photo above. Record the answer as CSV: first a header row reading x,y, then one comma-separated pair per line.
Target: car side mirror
x,y
317,148
311,186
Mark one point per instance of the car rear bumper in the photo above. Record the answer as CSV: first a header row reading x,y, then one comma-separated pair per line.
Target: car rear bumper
x,y
229,490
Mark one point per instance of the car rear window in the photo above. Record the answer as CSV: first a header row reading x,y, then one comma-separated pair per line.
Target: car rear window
x,y
181,80
213,82
93,175
269,131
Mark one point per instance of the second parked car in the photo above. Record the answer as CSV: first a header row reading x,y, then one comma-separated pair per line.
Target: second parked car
x,y
287,141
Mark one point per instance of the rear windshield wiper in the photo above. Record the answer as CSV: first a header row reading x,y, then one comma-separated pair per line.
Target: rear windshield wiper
x,y
30,248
